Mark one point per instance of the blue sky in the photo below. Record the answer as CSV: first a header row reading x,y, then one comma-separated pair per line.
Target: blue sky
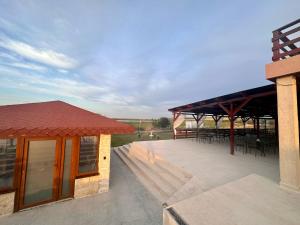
x,y
130,58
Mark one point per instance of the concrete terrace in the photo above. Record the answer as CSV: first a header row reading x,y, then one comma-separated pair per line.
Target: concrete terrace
x,y
204,184
212,163
124,204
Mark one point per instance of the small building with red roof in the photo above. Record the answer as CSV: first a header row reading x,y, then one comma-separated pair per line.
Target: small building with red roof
x,y
51,151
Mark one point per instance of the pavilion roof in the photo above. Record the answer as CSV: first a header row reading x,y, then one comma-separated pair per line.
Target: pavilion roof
x,y
55,118
261,101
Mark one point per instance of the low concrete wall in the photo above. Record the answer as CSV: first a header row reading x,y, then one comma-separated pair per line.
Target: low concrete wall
x,y
7,203
96,184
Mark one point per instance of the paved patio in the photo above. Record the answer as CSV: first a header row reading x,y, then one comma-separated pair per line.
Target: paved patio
x,y
212,163
238,189
127,203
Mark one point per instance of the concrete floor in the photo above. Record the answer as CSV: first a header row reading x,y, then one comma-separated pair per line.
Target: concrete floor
x,y
127,203
238,189
251,200
212,163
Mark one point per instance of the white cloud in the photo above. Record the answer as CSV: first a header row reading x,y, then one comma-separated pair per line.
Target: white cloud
x,y
158,84
8,57
63,71
29,66
45,56
113,99
63,87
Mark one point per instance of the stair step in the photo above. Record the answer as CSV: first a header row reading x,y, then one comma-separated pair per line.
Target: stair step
x,y
151,184
163,183
177,173
168,176
143,155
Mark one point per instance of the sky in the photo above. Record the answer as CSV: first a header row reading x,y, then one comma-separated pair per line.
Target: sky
x,y
135,58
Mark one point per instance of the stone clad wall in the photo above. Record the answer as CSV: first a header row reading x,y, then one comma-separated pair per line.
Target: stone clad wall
x,y
86,186
100,183
7,203
104,162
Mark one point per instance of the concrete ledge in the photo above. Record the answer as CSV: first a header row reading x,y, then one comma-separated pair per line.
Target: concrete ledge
x,y
289,66
288,187
252,200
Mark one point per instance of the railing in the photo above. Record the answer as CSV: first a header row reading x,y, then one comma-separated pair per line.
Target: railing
x,y
286,41
186,133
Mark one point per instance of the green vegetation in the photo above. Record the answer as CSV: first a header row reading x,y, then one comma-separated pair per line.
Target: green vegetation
x,y
162,122
142,125
122,139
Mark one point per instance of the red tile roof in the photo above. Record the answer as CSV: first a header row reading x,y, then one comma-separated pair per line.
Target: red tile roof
x,y
55,118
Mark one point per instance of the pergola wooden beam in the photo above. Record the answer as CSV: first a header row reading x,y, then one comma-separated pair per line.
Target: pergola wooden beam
x,y
198,117
217,118
231,115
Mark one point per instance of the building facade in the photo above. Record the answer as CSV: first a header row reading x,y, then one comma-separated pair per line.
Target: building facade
x,y
52,151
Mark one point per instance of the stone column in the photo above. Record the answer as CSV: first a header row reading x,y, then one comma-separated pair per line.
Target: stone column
x,y
288,126
104,162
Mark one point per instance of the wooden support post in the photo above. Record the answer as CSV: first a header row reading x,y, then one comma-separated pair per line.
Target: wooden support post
x,y
254,124
217,118
198,117
231,118
231,135
265,126
276,44
244,120
257,128
231,115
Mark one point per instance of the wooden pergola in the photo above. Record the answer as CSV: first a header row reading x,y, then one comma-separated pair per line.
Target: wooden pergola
x,y
253,104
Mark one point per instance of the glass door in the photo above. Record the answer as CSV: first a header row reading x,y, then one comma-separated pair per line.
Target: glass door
x,y
39,172
66,186
47,171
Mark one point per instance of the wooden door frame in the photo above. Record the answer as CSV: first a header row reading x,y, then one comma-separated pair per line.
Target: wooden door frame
x,y
72,169
24,169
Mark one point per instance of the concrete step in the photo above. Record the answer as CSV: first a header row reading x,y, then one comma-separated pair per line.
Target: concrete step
x,y
164,174
176,172
160,179
148,156
150,182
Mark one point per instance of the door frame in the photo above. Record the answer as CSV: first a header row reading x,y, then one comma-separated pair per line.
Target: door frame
x,y
57,170
72,169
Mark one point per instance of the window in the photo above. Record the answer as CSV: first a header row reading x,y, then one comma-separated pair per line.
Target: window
x,y
7,163
88,155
